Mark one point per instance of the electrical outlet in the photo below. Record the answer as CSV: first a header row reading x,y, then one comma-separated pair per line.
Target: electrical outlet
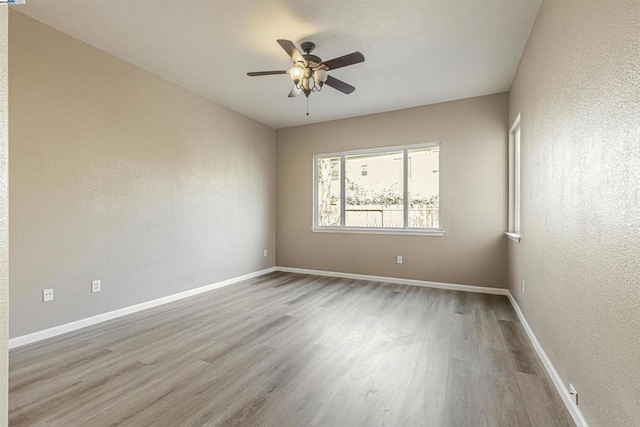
x,y
47,295
96,286
524,287
399,259
573,393
265,252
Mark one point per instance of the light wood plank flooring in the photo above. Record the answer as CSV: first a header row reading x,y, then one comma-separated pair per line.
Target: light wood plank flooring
x,y
293,350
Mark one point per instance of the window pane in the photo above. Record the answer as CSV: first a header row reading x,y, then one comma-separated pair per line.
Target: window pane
x,y
328,173
424,184
374,190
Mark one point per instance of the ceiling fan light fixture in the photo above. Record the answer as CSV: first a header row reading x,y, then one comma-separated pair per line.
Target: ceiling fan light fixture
x,y
320,76
296,73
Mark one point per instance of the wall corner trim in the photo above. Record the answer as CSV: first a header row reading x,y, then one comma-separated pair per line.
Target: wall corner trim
x,y
400,281
573,409
93,320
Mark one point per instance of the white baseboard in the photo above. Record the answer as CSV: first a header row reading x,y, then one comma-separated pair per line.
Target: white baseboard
x,y
575,412
410,282
89,321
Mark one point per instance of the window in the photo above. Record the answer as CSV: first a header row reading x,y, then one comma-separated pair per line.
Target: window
x,y
514,181
387,190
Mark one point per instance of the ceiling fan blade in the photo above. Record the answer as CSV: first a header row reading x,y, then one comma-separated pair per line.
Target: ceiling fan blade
x,y
295,92
292,50
266,73
339,85
343,61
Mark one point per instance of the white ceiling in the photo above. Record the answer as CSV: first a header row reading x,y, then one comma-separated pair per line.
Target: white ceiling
x,y
417,52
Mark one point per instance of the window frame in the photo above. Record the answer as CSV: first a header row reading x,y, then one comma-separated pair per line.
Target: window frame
x,y
406,230
515,171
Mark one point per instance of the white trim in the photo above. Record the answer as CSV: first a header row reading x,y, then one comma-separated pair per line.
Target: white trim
x,y
513,236
410,282
573,409
515,138
405,186
369,230
379,149
89,321
343,193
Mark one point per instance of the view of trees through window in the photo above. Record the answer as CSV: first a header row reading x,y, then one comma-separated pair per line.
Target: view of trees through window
x,y
374,189
329,191
374,199
424,185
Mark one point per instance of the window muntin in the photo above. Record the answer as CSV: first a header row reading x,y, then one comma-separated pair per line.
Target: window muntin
x,y
400,190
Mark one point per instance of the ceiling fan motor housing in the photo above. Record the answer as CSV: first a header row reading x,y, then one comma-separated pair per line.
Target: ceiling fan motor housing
x,y
307,47
313,61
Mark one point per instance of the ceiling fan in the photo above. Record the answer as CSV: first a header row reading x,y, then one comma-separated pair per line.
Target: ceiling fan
x,y
310,73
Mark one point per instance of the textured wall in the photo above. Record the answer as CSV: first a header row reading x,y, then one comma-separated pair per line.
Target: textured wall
x,y
474,194
4,204
578,89
116,174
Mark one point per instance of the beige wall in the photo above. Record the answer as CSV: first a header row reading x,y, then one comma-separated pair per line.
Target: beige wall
x,y
4,203
118,175
474,194
578,89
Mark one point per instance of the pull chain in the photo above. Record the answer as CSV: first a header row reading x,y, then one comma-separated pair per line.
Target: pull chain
x,y
307,105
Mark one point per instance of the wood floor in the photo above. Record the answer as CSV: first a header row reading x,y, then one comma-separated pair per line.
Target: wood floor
x,y
293,350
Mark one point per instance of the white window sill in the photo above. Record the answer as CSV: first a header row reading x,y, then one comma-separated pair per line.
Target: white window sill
x,y
399,232
513,236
